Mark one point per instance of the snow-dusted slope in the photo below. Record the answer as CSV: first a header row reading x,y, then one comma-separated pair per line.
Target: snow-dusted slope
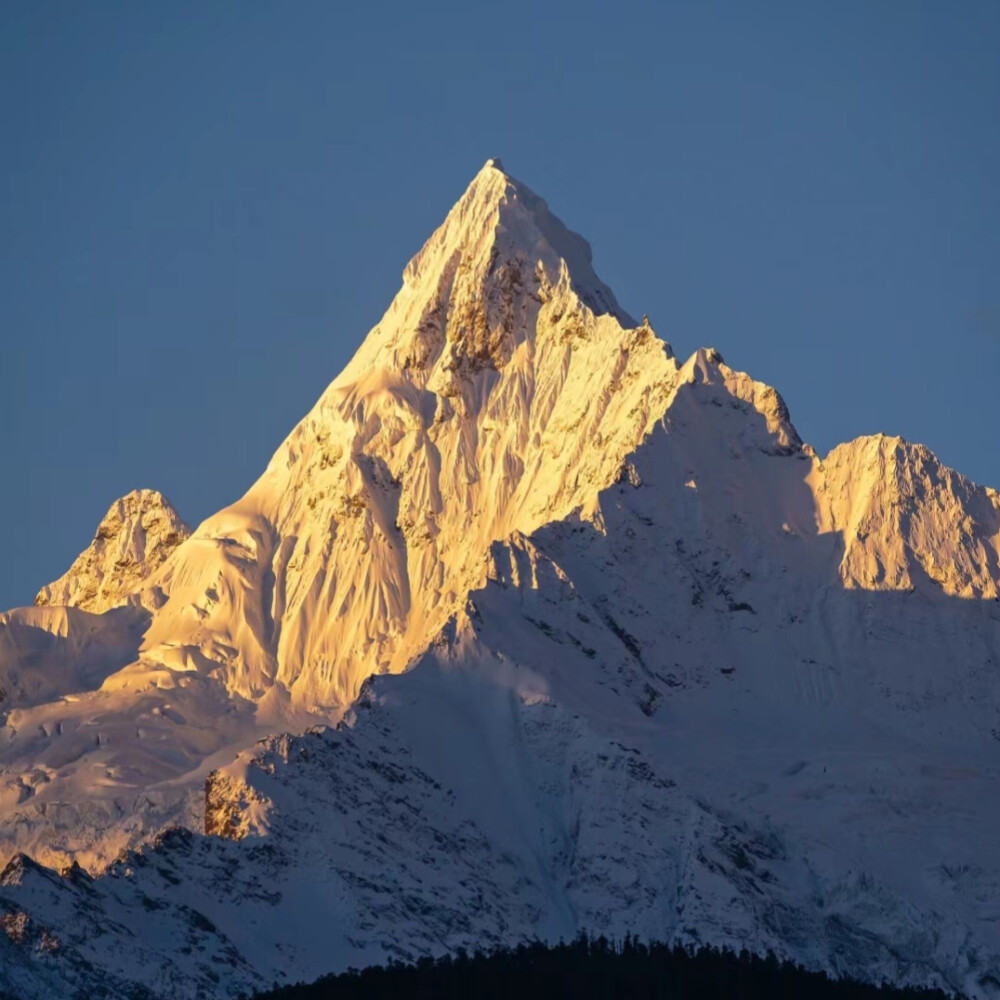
x,y
666,670
538,772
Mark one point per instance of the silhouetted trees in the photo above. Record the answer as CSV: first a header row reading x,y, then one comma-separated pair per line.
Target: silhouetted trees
x,y
594,969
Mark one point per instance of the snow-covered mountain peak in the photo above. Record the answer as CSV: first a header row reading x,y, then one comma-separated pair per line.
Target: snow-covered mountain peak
x,y
500,218
647,659
776,434
502,389
135,537
908,522
469,293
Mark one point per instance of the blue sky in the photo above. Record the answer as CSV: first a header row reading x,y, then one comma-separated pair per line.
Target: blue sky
x,y
204,208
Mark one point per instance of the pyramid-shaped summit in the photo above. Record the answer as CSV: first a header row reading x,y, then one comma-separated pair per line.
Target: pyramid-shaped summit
x,y
474,286
502,387
499,219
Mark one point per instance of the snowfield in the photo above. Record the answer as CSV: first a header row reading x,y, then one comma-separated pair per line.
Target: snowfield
x,y
575,636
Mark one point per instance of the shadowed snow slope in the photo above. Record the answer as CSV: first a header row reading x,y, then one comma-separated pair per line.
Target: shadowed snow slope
x,y
662,669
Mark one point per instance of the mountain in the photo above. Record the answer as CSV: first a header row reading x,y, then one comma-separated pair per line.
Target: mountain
x,y
133,540
584,638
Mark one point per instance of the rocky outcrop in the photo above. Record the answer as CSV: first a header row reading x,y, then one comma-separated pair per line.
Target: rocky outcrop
x,y
136,536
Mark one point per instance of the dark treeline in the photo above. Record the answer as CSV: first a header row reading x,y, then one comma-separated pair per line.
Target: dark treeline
x,y
594,969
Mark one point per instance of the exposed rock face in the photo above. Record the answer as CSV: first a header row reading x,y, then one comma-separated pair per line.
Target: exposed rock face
x,y
136,536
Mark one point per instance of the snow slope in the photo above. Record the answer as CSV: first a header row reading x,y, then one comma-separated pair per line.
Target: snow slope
x,y
656,666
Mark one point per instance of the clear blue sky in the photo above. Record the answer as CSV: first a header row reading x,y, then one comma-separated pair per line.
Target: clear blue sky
x,y
204,208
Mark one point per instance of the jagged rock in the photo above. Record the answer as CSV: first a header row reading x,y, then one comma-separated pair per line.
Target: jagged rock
x,y
136,536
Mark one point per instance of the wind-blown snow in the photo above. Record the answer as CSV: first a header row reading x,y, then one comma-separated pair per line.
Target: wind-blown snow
x,y
660,669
